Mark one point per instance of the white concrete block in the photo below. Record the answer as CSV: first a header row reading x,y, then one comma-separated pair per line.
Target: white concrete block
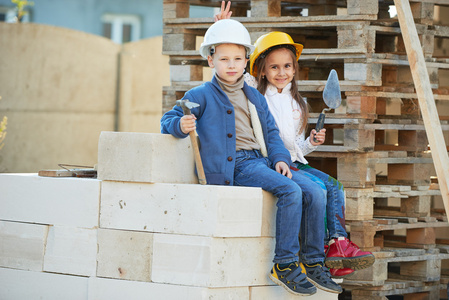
x,y
124,254
145,157
277,292
57,201
113,289
211,262
29,285
22,245
71,251
193,209
269,214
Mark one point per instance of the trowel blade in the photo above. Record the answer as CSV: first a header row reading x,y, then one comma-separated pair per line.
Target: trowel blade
x,y
331,92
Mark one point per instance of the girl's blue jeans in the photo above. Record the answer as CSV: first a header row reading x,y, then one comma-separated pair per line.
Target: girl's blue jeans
x,y
335,208
301,207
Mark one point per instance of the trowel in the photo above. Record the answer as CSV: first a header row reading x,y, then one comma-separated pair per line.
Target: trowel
x,y
331,96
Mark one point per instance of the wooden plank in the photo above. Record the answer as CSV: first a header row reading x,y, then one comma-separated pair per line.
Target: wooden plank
x,y
288,21
397,95
68,173
425,97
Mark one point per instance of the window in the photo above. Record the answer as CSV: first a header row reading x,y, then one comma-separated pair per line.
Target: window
x,y
8,15
121,28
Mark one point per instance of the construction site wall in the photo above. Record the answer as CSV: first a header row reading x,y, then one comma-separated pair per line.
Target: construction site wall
x,y
144,229
60,88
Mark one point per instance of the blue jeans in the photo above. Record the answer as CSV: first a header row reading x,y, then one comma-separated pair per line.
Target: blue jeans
x,y
300,207
335,208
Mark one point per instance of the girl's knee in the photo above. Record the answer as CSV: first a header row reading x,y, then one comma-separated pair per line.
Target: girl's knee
x,y
335,182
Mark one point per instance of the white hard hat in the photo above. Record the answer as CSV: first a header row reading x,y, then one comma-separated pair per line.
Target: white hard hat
x,y
226,31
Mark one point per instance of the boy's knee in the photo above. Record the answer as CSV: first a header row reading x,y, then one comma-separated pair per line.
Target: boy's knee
x,y
294,189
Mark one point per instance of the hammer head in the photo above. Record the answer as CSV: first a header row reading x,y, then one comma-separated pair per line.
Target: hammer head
x,y
186,105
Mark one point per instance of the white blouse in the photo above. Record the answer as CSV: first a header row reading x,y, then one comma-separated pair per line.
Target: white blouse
x,y
287,114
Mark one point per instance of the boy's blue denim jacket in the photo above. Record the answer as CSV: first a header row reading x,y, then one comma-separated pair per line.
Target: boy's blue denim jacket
x,y
216,129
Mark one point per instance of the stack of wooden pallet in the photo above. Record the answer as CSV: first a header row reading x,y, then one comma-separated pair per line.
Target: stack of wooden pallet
x,y
376,141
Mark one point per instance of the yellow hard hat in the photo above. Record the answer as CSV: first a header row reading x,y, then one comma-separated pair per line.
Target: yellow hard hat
x,y
268,41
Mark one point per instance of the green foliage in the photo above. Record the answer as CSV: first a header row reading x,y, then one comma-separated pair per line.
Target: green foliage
x,y
20,6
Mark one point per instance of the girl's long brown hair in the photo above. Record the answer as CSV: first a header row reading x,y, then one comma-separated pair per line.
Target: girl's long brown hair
x,y
262,85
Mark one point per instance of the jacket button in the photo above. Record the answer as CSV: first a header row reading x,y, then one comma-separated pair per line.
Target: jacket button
x,y
229,135
230,158
229,111
227,182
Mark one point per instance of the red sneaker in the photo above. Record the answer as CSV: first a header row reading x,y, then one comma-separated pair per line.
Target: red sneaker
x,y
341,273
342,253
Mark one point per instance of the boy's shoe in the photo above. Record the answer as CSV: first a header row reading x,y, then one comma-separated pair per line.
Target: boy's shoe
x,y
319,275
341,273
293,279
342,253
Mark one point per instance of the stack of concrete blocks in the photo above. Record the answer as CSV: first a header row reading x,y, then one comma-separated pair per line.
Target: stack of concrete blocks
x,y
143,230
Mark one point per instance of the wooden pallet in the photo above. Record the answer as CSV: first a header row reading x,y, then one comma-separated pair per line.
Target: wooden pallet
x,y
405,232
396,287
269,8
408,272
415,264
358,170
380,154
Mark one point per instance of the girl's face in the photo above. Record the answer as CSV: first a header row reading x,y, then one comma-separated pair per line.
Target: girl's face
x,y
279,68
229,62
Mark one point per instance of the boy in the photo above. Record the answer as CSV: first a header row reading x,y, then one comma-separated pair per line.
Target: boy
x,y
240,145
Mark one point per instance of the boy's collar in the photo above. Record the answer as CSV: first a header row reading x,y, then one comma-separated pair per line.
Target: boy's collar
x,y
230,87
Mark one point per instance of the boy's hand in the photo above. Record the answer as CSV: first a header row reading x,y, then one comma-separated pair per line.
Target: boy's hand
x,y
224,13
283,168
319,136
188,123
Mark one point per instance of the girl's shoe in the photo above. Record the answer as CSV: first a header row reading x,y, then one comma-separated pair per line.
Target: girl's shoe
x,y
293,279
342,253
341,273
319,275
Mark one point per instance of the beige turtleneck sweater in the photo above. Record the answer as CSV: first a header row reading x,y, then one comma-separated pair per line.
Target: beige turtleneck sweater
x,y
245,139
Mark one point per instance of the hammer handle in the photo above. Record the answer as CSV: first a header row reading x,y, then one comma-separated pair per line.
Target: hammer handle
x,y
198,162
319,124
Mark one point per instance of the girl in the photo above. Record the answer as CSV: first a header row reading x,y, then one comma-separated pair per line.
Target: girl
x,y
273,66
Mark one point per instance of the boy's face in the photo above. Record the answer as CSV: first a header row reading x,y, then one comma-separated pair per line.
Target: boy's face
x,y
229,62
279,68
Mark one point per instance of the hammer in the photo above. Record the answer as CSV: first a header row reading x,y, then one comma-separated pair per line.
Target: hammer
x,y
186,106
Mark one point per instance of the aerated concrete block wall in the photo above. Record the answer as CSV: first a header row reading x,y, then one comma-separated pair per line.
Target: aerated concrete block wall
x,y
139,231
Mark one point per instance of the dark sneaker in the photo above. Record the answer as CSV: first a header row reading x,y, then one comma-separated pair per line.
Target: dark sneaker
x,y
342,253
319,275
293,279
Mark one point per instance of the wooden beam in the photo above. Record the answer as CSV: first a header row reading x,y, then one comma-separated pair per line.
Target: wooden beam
x,y
425,97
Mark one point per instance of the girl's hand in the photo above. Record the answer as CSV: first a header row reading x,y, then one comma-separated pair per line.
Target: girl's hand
x,y
319,136
282,168
188,123
224,13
